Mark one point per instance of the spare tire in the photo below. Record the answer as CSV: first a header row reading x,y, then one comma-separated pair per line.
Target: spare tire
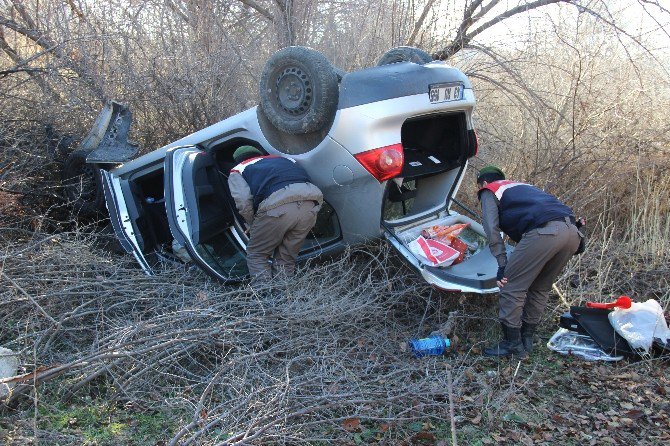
x,y
299,90
405,54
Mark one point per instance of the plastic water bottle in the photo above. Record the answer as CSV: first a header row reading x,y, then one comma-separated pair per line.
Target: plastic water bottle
x,y
432,346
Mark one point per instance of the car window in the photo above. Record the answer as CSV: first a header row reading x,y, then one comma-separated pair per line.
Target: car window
x,y
399,199
325,231
222,254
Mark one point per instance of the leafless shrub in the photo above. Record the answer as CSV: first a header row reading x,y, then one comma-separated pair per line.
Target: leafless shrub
x,y
267,365
564,110
290,365
633,260
300,362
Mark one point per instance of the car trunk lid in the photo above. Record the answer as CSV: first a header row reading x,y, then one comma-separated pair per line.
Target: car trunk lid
x,y
437,148
475,274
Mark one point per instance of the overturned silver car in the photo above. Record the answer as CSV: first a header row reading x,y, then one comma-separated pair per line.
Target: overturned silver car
x,y
387,145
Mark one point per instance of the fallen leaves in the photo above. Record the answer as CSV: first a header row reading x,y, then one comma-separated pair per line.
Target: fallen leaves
x,y
569,401
600,417
631,376
424,436
634,414
513,417
352,425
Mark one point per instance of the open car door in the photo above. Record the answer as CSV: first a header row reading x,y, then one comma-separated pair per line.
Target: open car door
x,y
121,220
476,273
201,213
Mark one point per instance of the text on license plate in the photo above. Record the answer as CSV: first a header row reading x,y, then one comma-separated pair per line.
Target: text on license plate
x,y
444,93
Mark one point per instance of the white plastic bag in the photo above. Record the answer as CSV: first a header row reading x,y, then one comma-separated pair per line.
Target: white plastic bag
x,y
640,324
572,343
433,252
9,364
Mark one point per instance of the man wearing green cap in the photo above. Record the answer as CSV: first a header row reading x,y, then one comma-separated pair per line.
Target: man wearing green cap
x,y
276,199
546,236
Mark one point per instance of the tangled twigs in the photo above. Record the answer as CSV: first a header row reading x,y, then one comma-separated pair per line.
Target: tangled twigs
x,y
259,364
239,365
30,298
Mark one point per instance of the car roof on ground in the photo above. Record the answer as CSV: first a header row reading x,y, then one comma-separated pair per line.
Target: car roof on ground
x,y
394,81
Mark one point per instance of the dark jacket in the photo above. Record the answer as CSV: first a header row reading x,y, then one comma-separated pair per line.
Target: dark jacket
x,y
266,182
519,208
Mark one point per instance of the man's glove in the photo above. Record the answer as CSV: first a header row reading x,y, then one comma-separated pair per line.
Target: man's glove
x,y
501,273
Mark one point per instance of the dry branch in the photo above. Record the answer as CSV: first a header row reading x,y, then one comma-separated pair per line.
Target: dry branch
x,y
254,363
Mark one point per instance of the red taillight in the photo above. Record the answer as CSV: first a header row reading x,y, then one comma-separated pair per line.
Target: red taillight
x,y
476,141
383,163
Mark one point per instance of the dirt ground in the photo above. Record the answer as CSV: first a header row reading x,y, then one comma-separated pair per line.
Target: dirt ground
x,y
547,399
326,364
555,399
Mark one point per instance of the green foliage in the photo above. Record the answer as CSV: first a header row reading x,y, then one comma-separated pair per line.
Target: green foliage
x,y
99,423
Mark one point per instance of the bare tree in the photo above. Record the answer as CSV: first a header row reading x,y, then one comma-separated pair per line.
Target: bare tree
x,y
478,12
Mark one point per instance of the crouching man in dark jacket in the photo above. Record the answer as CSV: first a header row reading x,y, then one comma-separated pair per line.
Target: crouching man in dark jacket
x,y
276,199
546,235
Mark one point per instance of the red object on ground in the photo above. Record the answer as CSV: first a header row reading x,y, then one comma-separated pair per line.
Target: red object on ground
x,y
622,302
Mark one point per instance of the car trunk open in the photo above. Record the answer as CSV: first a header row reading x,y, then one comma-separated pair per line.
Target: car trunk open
x,y
476,273
436,151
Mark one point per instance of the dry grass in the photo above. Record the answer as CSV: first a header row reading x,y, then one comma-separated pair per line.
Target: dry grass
x,y
323,360
316,362
627,255
259,365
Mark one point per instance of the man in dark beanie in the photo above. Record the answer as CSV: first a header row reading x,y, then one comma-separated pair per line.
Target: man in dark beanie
x,y
276,199
546,236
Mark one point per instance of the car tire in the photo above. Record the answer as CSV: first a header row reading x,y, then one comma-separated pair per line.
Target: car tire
x,y
82,186
405,54
299,90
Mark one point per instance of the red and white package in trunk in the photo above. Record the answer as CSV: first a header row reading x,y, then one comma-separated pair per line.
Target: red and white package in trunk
x,y
447,235
435,252
444,233
460,246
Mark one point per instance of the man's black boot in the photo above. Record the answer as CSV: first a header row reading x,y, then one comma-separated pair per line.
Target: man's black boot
x,y
527,332
510,345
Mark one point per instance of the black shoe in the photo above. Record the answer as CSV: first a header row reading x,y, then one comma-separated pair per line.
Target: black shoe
x,y
527,332
510,345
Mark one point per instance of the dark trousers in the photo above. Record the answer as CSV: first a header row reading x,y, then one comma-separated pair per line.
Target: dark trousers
x,y
280,232
532,268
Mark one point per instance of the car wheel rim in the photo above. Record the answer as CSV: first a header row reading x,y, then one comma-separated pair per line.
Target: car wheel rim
x,y
294,91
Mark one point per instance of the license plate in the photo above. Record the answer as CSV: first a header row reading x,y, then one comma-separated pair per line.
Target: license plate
x,y
445,93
